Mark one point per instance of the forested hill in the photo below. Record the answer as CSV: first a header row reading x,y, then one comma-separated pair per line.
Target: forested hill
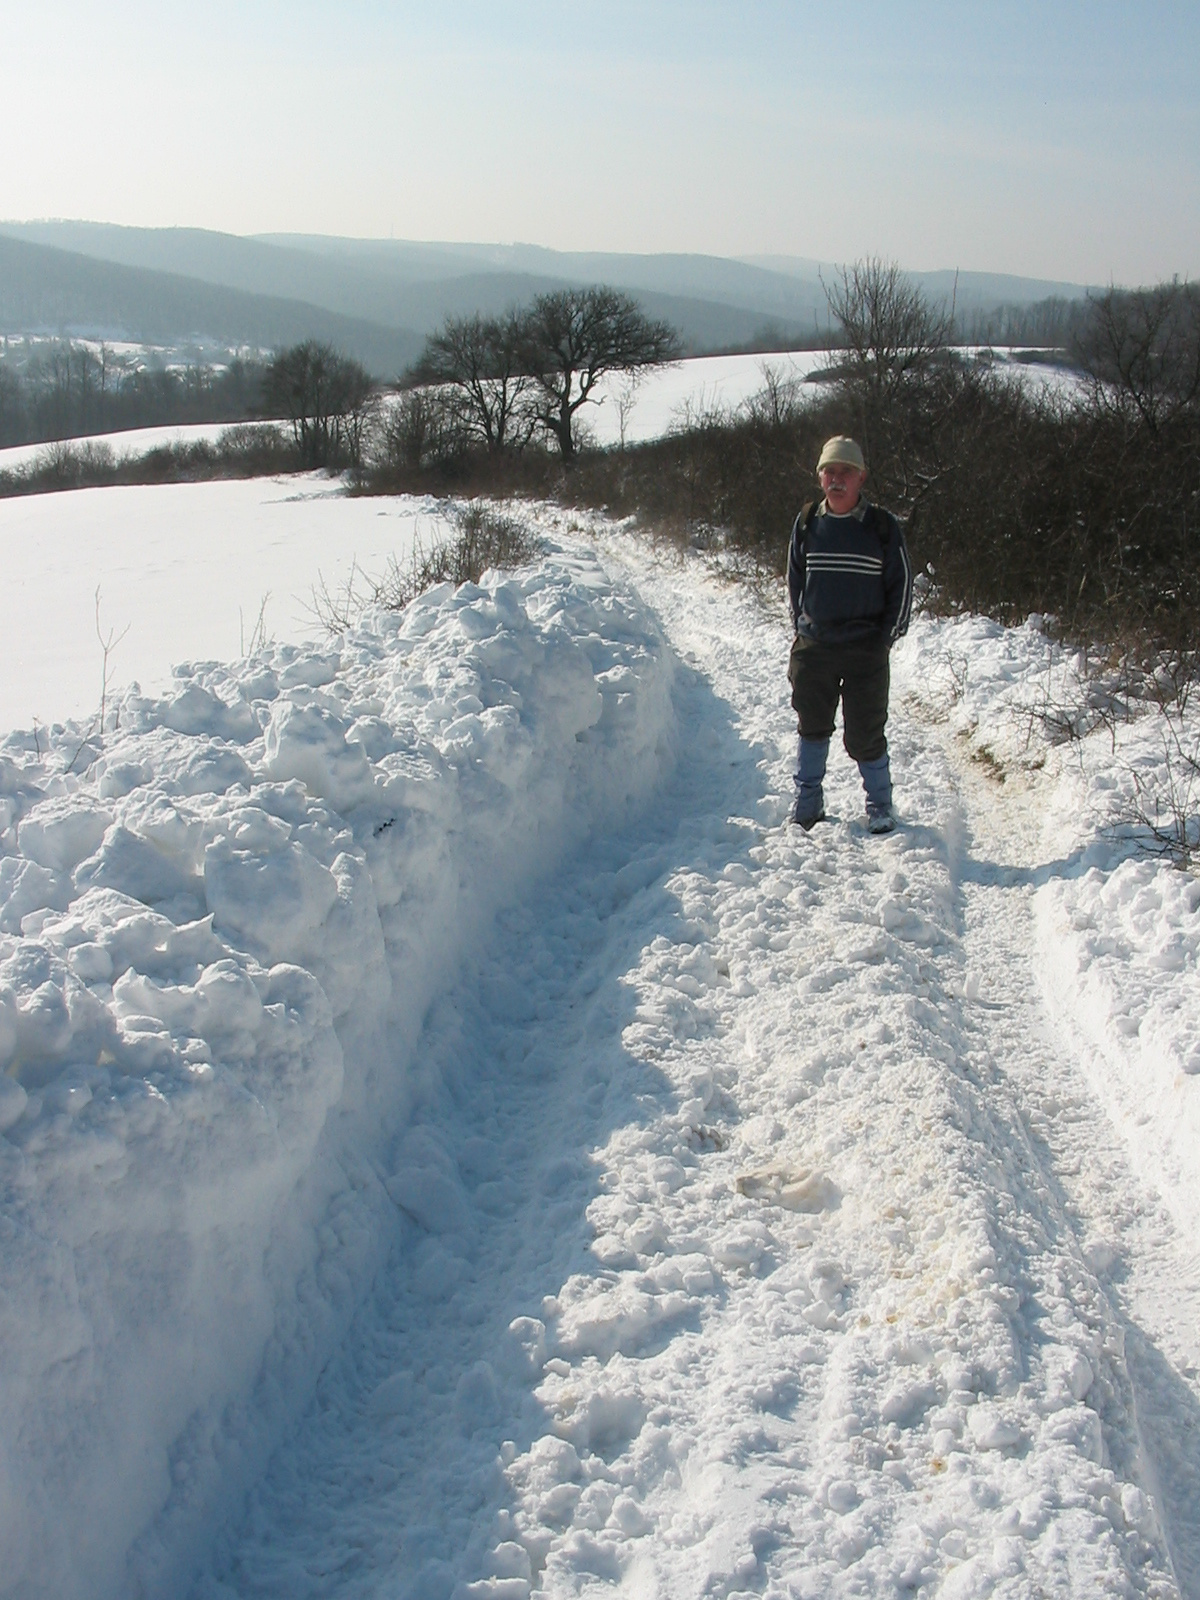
x,y
43,289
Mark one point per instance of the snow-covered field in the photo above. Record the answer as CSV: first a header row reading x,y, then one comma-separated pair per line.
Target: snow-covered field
x,y
460,1143
185,571
653,404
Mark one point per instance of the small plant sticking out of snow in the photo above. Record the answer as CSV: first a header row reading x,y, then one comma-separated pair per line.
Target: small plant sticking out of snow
x,y
1166,801
485,540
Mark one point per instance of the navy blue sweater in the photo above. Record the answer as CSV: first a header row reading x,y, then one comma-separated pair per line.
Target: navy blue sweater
x,y
849,577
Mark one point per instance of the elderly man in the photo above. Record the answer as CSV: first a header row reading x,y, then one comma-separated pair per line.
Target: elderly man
x,y
850,588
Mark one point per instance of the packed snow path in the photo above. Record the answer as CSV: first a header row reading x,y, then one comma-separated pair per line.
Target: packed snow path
x,y
755,1233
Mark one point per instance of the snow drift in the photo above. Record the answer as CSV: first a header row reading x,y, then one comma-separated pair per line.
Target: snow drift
x,y
218,936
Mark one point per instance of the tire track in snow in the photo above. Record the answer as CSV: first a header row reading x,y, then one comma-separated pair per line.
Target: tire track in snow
x,y
742,1273
1149,1272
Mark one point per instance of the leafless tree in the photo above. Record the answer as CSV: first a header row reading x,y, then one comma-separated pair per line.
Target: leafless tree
x,y
482,358
573,337
420,428
326,397
891,330
777,404
625,398
1141,349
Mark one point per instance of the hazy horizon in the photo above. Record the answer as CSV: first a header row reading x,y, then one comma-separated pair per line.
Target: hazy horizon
x,y
1057,142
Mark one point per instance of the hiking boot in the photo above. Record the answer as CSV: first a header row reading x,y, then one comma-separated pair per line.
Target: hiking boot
x,y
880,820
803,814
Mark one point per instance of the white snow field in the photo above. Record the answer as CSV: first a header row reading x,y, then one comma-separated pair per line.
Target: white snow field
x,y
653,403
461,1144
184,572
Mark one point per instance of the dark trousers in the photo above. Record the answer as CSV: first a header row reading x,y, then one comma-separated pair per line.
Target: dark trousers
x,y
858,675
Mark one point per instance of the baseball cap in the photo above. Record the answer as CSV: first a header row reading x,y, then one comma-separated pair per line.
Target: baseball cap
x,y
842,450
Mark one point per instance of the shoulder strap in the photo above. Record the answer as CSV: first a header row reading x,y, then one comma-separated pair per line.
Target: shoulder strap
x,y
880,521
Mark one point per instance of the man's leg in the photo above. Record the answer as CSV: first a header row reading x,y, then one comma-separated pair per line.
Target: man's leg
x,y
864,710
809,778
816,682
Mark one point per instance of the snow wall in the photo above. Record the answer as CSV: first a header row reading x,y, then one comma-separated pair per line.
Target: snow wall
x,y
218,937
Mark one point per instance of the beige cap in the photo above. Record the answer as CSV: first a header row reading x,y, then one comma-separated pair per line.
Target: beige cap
x,y
842,450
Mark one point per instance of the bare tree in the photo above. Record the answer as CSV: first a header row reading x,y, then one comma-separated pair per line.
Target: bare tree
x,y
1141,349
326,397
625,398
483,359
892,331
420,428
573,337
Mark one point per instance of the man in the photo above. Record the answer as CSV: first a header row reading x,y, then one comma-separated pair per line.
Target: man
x,y
850,588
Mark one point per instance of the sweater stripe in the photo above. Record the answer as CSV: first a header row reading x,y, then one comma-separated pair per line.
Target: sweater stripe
x,y
818,562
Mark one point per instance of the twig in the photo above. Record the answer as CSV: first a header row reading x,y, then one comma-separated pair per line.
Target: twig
x,y
107,646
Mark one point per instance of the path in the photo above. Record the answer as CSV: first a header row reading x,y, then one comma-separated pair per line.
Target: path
x,y
1150,1273
759,1258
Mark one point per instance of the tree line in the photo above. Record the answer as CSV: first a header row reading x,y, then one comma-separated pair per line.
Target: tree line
x,y
65,388
496,383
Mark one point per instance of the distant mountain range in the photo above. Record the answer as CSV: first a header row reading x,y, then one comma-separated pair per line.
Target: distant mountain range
x,y
377,299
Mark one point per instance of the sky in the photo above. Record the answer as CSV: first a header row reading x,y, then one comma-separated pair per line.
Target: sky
x,y
1055,140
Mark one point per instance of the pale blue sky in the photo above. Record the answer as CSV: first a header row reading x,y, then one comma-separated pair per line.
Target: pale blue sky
x,y
1057,140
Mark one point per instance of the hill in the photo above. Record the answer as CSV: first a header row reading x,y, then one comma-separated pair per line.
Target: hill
x,y
411,287
48,290
409,290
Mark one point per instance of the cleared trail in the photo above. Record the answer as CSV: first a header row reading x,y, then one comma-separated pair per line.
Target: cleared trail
x,y
760,1237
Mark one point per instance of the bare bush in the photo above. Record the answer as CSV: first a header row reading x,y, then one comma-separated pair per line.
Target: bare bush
x,y
485,540
418,430
780,400
1166,805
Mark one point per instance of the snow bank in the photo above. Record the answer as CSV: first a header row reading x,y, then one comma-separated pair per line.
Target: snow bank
x,y
218,937
1118,924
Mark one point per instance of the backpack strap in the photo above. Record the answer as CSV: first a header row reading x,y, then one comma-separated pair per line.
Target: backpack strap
x,y
881,522
808,512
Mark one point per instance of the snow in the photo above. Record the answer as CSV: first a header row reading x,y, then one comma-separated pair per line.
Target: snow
x,y
184,572
669,396
1118,931
460,1143
230,925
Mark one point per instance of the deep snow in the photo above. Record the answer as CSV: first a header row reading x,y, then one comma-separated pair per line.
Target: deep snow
x,y
460,1140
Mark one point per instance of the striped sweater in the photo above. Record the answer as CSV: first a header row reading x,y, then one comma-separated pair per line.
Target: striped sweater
x,y
849,577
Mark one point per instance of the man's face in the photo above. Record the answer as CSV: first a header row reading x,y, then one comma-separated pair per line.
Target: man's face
x,y
841,486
